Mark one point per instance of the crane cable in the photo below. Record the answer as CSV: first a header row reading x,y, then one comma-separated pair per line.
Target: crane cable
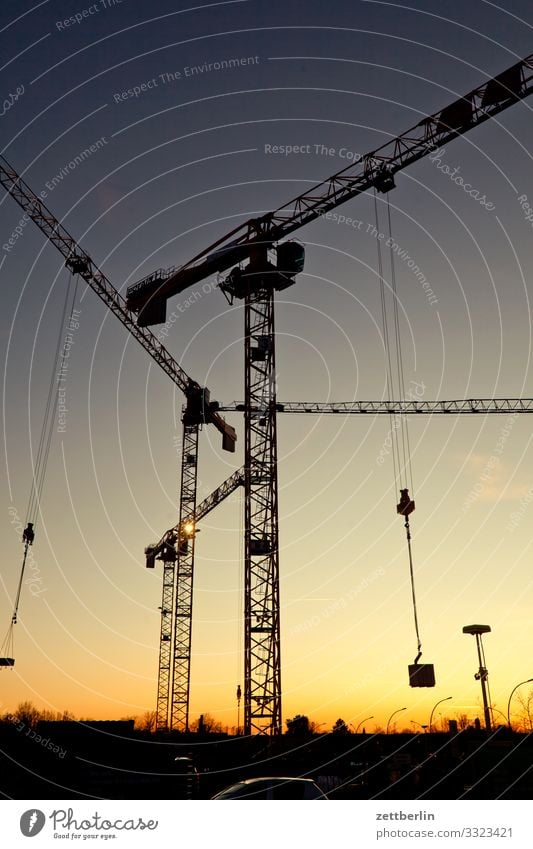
x,y
406,447
45,440
386,343
40,466
400,442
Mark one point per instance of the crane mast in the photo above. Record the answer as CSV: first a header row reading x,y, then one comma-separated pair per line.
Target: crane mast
x,y
262,665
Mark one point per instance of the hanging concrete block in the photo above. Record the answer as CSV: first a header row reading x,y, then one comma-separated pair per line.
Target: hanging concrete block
x,y
421,675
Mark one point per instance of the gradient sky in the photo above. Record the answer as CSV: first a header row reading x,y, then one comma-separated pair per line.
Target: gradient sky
x,y
178,167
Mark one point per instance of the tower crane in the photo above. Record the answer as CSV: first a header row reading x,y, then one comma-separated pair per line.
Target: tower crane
x,y
255,284
165,549
199,408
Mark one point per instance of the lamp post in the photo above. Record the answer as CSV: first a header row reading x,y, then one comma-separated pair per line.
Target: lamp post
x,y
433,709
363,720
528,681
393,714
482,675
423,727
239,695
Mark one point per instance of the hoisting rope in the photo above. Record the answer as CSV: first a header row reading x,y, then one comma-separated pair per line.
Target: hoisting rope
x,y
400,442
47,430
386,343
404,508
39,469
27,538
406,447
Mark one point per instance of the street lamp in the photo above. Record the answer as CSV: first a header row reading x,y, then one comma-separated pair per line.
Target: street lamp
x,y
529,680
482,675
363,720
393,714
424,727
239,695
433,709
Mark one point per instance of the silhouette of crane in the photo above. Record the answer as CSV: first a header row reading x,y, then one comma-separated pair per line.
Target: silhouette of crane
x,y
270,267
199,408
273,267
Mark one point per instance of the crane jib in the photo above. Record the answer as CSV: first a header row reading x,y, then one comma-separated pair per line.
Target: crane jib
x,y
79,262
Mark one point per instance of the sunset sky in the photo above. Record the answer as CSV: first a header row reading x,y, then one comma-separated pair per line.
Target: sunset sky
x,y
183,152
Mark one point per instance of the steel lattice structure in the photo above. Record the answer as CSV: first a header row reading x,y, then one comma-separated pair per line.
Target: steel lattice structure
x,y
202,410
165,638
375,170
147,299
181,667
262,668
398,408
177,547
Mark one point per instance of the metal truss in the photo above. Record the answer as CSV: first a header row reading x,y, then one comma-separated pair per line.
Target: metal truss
x,y
177,547
374,169
181,666
484,406
262,666
165,641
